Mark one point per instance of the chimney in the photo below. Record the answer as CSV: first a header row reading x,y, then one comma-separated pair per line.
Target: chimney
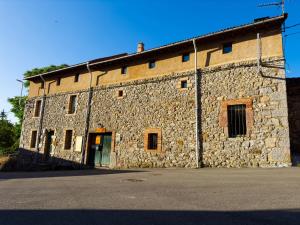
x,y
140,47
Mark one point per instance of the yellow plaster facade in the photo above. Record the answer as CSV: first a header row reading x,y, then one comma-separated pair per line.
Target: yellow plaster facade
x,y
209,54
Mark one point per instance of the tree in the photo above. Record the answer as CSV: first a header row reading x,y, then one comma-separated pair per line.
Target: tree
x,y
7,135
13,132
37,71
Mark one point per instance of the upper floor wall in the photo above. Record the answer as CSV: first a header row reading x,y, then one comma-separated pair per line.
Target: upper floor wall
x,y
244,47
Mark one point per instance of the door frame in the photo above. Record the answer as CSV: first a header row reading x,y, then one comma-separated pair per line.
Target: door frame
x,y
88,143
47,154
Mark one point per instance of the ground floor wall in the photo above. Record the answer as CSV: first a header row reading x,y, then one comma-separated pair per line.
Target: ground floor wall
x,y
166,105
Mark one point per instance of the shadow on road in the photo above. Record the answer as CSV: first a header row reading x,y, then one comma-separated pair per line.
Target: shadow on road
x,y
62,173
145,217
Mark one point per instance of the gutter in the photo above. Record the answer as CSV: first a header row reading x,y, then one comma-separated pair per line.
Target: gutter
x,y
39,134
87,116
196,106
224,31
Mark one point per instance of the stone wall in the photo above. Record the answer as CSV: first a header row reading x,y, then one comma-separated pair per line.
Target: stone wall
x,y
151,103
267,141
160,103
293,95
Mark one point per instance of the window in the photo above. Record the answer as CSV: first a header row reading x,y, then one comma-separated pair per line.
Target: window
x,y
124,70
152,141
76,78
183,84
151,64
42,85
227,48
236,120
186,57
33,139
72,104
37,109
58,81
68,139
120,93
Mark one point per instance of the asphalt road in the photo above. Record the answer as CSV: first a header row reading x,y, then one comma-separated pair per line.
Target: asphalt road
x,y
151,196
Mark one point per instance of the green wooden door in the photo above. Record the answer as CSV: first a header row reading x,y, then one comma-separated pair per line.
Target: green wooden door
x,y
97,159
106,147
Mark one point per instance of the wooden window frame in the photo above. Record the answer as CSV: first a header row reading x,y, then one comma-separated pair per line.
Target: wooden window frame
x,y
159,139
72,139
223,116
183,57
179,84
30,144
76,78
35,115
118,93
58,81
69,104
124,70
152,62
226,44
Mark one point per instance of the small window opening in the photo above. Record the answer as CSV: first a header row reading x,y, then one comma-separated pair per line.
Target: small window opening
x,y
76,78
152,141
124,70
58,81
120,93
37,110
186,57
151,64
33,139
72,104
227,47
236,120
183,84
68,139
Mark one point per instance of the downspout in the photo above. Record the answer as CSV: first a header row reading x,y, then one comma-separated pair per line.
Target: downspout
x,y
196,105
87,116
41,120
258,43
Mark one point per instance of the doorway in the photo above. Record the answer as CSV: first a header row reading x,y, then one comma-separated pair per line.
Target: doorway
x,y
99,148
48,144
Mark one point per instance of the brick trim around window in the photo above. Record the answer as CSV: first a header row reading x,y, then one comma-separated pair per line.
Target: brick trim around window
x,y
149,131
223,116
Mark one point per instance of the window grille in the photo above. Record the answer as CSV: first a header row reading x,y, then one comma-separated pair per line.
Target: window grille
x,y
236,120
33,139
68,139
152,141
72,104
37,110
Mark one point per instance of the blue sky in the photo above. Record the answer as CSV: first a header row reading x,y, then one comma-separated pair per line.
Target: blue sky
x,y
35,33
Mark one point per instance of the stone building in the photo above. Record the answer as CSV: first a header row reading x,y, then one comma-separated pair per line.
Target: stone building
x,y
216,100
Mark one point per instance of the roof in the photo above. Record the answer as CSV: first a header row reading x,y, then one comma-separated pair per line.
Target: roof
x,y
258,23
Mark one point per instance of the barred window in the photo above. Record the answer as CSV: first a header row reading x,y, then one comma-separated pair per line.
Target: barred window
x,y
33,139
68,139
37,110
236,120
152,141
72,104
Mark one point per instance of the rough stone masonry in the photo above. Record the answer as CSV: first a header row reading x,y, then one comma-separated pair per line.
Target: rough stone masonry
x,y
160,103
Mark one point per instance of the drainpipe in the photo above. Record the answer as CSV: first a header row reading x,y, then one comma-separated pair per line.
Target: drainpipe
x,y
196,106
41,120
258,43
87,116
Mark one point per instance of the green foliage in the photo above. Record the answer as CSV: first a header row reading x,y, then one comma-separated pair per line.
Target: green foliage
x,y
18,105
8,137
37,71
